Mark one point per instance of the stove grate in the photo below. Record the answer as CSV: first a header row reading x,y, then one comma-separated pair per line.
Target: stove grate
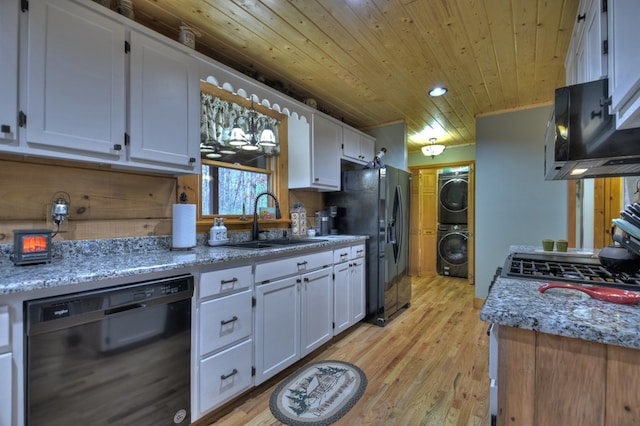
x,y
580,273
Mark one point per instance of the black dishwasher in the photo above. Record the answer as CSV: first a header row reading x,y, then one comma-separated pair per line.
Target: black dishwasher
x,y
114,356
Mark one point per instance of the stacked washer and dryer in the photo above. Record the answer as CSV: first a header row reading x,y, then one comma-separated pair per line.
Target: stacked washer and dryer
x,y
452,223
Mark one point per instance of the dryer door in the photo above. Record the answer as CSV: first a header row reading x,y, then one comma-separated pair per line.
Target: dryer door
x,y
453,200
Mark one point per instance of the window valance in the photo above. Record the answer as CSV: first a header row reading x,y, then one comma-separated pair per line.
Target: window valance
x,y
219,117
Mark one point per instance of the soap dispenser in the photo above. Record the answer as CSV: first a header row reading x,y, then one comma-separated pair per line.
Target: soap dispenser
x,y
223,231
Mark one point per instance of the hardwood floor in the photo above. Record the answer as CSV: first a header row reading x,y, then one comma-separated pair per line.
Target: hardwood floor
x,y
428,366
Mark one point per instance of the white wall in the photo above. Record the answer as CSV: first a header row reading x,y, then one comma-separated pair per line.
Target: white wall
x,y
393,137
514,204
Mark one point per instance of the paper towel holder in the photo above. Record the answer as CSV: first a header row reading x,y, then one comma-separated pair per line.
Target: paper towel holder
x,y
182,204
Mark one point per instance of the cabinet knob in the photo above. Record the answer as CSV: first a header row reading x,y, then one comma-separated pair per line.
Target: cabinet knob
x,y
5,128
192,160
117,147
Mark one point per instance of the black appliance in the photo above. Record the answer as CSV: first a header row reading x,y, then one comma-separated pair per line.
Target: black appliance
x,y
453,198
375,202
118,355
574,269
452,257
581,134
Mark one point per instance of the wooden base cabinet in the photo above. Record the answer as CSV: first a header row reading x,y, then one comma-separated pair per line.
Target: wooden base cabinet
x,y
545,379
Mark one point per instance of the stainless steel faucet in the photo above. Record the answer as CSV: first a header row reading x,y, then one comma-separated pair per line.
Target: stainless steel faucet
x,y
255,232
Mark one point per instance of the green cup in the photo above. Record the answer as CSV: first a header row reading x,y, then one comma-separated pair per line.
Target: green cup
x,y
562,245
547,244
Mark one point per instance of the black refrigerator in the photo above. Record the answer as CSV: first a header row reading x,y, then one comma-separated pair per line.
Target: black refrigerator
x,y
375,202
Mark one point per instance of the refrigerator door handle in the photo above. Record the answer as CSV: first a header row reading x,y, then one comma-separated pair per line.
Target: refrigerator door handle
x,y
398,220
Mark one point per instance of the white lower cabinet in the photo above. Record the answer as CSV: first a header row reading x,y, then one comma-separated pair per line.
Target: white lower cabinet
x,y
224,330
224,375
293,313
349,287
6,385
6,371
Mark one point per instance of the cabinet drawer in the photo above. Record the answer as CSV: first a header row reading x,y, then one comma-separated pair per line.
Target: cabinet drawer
x,y
358,251
225,375
292,265
341,255
5,325
224,320
218,282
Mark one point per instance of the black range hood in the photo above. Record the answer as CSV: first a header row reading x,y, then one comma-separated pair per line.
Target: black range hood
x,y
582,140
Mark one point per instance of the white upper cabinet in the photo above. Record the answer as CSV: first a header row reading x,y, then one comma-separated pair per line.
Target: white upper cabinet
x,y
356,146
587,57
165,105
624,62
9,11
327,135
100,88
314,157
75,79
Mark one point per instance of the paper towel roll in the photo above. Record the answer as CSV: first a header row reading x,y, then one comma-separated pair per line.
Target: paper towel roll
x,y
184,226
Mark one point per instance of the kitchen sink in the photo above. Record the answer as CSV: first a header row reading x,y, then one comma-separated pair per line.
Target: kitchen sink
x,y
293,241
264,244
250,245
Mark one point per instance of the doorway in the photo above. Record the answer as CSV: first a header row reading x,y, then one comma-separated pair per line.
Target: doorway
x,y
427,212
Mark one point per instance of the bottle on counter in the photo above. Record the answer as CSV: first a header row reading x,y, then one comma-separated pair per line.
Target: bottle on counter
x,y
214,232
223,230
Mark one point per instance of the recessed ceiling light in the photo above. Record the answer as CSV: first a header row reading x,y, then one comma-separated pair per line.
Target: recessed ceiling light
x,y
437,91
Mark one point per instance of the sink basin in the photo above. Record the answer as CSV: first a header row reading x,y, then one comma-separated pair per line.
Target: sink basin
x,y
293,241
250,245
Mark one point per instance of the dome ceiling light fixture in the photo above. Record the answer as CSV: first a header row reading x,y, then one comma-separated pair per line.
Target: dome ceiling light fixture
x,y
437,91
433,148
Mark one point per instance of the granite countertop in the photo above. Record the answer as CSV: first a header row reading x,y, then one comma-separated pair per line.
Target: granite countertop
x,y
569,313
93,260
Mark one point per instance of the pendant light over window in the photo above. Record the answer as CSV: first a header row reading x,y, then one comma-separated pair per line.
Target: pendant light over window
x,y
433,149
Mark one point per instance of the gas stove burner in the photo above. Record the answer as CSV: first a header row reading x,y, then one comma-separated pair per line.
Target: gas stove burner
x,y
577,270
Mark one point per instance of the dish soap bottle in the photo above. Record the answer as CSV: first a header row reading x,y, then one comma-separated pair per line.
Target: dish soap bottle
x,y
214,232
223,230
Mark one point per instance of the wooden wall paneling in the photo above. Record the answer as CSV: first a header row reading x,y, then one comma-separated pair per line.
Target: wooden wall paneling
x,y
471,225
103,202
415,239
623,377
516,376
599,219
429,220
570,381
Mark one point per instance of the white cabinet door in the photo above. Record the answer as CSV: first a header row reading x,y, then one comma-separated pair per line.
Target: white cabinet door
x,y
6,385
356,146
9,17
164,105
76,80
316,309
357,287
341,297
326,157
586,59
277,327
351,145
624,62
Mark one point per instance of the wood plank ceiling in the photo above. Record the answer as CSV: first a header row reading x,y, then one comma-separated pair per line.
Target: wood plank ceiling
x,y
371,62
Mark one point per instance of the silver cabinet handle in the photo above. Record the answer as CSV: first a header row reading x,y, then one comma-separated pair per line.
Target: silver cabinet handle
x,y
226,376
225,322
